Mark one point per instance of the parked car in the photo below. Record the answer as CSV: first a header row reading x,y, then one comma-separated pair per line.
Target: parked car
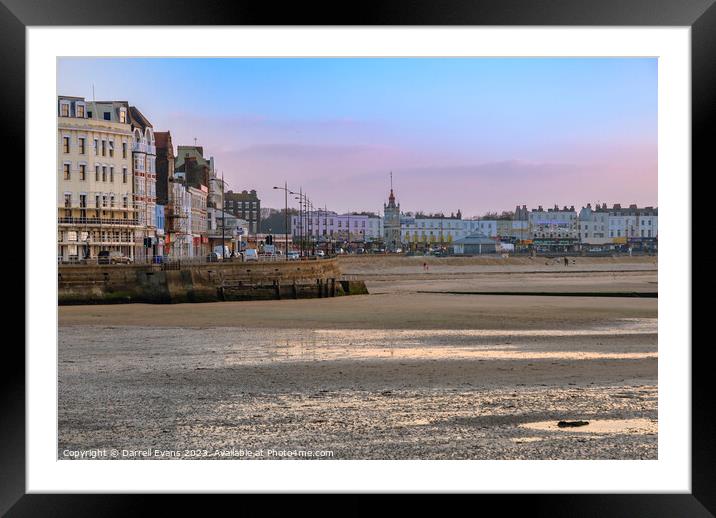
x,y
112,257
222,252
320,253
251,254
293,256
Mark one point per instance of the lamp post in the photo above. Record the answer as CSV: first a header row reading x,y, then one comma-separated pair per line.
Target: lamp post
x,y
285,213
302,213
223,221
311,237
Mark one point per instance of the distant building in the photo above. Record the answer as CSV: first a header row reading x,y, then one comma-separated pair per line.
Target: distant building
x,y
144,155
521,213
198,221
594,226
225,228
420,231
325,226
178,238
192,170
514,230
555,229
244,205
476,243
635,227
391,223
165,165
194,154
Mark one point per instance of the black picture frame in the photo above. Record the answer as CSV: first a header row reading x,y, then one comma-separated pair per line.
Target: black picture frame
x,y
700,15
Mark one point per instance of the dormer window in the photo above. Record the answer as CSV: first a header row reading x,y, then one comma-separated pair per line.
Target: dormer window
x,y
80,108
122,115
64,109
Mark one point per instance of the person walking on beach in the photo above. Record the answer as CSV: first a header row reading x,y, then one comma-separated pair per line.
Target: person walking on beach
x,y
566,261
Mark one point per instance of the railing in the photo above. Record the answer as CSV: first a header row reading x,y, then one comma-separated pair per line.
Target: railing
x,y
176,263
97,221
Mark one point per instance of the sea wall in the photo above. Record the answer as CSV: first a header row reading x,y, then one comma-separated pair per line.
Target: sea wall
x,y
210,282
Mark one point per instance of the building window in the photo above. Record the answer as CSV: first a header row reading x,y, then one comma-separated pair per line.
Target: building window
x,y
124,150
123,118
66,144
96,173
124,175
81,111
66,169
107,116
104,173
104,148
83,172
64,110
111,148
81,142
96,147
68,200
111,174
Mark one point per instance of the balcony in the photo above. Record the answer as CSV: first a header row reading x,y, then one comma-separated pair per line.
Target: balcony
x,y
98,221
139,147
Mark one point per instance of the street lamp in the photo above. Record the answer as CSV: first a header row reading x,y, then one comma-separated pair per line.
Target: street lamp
x,y
285,191
302,204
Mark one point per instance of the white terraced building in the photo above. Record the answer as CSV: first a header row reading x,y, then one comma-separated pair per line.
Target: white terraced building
x,y
443,230
94,170
325,225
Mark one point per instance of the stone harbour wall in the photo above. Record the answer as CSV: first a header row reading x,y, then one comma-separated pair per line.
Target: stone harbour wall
x,y
210,282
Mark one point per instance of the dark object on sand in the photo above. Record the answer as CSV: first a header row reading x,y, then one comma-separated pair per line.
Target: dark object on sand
x,y
572,424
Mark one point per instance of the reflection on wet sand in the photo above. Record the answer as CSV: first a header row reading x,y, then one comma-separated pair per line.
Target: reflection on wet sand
x,y
365,393
605,426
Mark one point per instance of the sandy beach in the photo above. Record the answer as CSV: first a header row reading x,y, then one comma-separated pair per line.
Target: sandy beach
x,y
422,368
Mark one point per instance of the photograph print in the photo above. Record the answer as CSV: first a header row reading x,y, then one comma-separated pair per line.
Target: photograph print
x,y
357,258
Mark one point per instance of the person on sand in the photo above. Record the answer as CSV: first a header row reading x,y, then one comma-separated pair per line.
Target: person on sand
x,y
425,267
566,261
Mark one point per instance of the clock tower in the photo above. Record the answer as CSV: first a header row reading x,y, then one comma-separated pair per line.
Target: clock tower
x,y
391,221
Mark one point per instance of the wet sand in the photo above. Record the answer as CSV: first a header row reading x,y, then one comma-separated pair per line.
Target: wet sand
x,y
398,374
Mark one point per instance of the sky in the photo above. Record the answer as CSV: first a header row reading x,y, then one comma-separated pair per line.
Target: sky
x,y
476,134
